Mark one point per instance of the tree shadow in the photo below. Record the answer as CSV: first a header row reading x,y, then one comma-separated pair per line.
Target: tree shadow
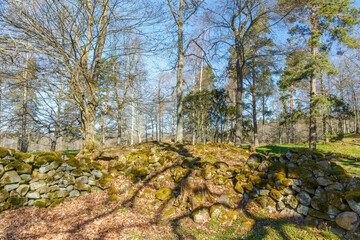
x,y
260,230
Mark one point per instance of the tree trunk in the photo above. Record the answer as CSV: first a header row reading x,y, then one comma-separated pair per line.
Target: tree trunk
x,y
292,121
239,94
254,113
179,84
312,122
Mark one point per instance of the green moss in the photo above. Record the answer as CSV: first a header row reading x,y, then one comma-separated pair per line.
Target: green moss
x,y
42,158
4,152
16,202
278,167
255,180
299,173
275,194
113,190
238,187
42,203
73,162
220,180
4,206
114,198
97,165
77,172
286,182
240,177
3,195
278,176
24,168
319,214
20,156
248,223
49,179
104,182
147,193
169,213
140,172
56,202
310,183
352,196
320,205
338,171
12,165
163,193
335,198
248,186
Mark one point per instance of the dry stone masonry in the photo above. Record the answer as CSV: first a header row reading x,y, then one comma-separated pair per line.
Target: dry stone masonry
x,y
300,184
46,179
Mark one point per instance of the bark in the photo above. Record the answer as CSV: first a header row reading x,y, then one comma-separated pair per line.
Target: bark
x,y
253,93
292,121
179,85
239,93
312,122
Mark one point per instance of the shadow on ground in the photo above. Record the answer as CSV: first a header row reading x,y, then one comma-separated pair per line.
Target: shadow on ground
x,y
265,227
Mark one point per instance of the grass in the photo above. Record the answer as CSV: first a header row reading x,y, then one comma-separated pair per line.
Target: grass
x,y
346,152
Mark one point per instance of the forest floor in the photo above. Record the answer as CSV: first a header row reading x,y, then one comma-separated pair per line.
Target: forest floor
x,y
134,217
345,152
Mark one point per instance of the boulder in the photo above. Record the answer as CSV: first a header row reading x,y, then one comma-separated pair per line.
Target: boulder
x,y
347,220
163,193
223,214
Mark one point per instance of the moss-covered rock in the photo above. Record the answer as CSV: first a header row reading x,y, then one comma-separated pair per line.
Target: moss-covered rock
x,y
238,187
114,198
56,202
336,198
42,203
220,180
299,173
104,182
9,178
201,215
168,213
319,214
20,156
291,201
3,195
255,180
163,193
16,202
222,214
147,193
275,194
248,223
266,203
4,152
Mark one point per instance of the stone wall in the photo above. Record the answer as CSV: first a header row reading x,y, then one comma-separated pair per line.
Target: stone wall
x,y
305,185
46,179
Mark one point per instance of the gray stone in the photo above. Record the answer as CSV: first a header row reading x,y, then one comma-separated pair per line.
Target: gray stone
x,y
11,187
70,188
295,182
324,181
302,209
201,215
54,165
31,202
92,181
44,189
355,206
335,187
264,192
84,193
1,170
291,201
347,220
37,185
333,210
51,173
97,173
280,206
325,164
23,189
296,188
33,195
304,198
321,194
124,187
9,178
26,177
83,180
45,169
74,193
14,194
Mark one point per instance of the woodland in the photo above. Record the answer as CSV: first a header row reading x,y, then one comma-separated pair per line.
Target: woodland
x,y
83,74
179,119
